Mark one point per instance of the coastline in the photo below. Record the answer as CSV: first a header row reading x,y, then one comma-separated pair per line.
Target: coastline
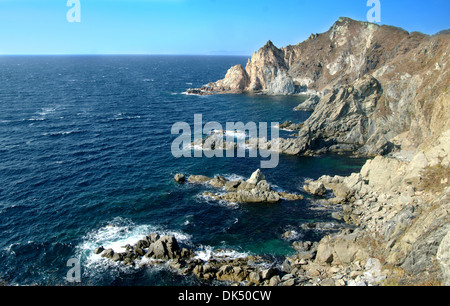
x,y
391,109
396,232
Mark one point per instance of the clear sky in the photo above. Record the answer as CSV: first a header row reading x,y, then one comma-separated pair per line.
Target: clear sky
x,y
192,26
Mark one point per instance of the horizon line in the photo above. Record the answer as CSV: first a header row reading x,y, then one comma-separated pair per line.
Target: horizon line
x,y
119,54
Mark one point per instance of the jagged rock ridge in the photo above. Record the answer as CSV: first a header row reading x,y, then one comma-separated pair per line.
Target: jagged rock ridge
x,y
378,87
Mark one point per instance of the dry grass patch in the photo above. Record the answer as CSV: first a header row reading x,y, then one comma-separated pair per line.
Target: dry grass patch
x,y
436,178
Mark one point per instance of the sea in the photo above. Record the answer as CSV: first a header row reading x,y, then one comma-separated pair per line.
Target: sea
x,y
86,161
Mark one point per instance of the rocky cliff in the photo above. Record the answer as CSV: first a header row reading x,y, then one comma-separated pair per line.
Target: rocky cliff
x,y
377,87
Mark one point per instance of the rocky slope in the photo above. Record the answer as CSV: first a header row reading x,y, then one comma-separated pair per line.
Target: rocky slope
x,y
376,88
401,209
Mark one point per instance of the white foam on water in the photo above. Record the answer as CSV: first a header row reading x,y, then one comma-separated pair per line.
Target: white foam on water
x,y
118,233
63,133
46,110
276,188
206,198
234,177
294,235
230,133
197,147
206,253
35,119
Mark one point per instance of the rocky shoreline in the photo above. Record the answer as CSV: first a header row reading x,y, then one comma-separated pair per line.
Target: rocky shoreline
x,y
389,103
379,92
297,270
392,231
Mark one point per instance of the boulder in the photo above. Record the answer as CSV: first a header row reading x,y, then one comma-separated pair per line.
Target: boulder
x,y
274,281
117,257
226,273
340,249
109,253
324,252
315,187
142,244
152,238
99,250
254,278
256,177
246,186
291,196
165,247
179,178
268,273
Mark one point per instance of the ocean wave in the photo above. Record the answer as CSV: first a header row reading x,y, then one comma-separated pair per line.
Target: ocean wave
x,y
35,119
196,95
127,118
230,133
62,133
277,188
234,177
46,110
120,117
292,234
210,200
118,233
206,253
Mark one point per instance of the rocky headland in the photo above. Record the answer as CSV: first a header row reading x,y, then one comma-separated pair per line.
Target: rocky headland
x,y
374,91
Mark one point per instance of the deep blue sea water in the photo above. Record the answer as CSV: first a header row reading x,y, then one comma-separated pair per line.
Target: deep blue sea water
x,y
85,160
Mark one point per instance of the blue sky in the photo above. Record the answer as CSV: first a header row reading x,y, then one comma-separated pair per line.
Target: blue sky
x,y
192,26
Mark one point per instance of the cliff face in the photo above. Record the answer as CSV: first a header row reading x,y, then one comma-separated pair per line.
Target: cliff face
x,y
390,87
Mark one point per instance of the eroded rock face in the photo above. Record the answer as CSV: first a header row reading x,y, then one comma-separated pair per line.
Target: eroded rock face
x,y
236,80
374,88
387,198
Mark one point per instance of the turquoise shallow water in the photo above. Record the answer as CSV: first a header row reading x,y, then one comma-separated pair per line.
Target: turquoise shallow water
x,y
86,161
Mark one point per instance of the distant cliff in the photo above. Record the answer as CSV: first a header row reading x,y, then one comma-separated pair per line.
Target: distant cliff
x,y
377,88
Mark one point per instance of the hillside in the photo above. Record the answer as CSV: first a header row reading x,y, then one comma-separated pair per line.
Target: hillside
x,y
376,88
